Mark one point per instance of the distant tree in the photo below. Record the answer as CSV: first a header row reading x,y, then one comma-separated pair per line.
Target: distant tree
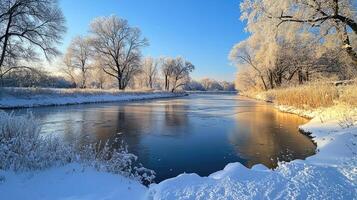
x,y
227,86
194,85
211,84
80,53
38,77
119,46
176,72
180,73
99,76
150,70
67,68
167,67
27,27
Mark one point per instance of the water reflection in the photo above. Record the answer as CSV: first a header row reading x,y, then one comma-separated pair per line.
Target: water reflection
x,y
264,135
199,133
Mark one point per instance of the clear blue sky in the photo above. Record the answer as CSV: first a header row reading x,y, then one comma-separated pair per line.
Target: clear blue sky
x,y
202,31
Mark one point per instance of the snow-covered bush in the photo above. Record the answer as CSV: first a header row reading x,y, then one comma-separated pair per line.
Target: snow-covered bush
x,y
23,148
104,157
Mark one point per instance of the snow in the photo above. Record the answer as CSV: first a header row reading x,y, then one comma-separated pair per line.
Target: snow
x,y
330,174
27,97
69,182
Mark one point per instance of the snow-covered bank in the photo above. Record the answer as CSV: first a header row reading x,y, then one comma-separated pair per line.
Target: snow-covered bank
x,y
35,166
32,97
72,181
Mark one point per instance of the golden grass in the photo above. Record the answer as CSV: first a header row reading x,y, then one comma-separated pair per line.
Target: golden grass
x,y
313,95
348,95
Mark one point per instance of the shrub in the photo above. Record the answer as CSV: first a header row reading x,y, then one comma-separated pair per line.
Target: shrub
x,y
23,148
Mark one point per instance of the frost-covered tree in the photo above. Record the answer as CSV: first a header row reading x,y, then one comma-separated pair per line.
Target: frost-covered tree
x,y
176,72
99,77
295,41
194,85
330,19
227,86
211,84
79,52
67,68
181,73
119,46
26,28
167,67
243,54
150,71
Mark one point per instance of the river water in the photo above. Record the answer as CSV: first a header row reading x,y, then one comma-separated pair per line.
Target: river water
x,y
198,133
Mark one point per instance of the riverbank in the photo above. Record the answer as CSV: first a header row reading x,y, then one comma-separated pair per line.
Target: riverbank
x,y
34,97
330,174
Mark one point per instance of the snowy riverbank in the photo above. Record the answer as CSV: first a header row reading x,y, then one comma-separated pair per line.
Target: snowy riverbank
x,y
33,97
330,174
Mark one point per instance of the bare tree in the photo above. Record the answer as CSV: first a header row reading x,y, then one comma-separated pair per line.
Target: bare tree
x,y
149,70
167,68
99,76
119,45
68,69
180,73
27,26
80,53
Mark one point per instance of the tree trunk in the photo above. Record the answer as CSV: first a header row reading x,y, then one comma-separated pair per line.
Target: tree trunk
x,y
166,83
300,75
348,48
271,79
2,57
264,84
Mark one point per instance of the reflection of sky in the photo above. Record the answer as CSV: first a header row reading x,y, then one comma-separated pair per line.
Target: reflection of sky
x,y
199,133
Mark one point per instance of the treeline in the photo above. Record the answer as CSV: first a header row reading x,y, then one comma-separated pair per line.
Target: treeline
x,y
34,78
296,42
208,84
110,55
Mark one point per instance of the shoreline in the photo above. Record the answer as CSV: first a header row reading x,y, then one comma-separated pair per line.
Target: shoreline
x,y
40,97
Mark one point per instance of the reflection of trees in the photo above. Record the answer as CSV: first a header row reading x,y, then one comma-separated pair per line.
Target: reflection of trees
x,y
126,122
175,119
264,134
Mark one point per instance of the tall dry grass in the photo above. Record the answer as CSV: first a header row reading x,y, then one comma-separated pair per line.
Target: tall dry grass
x,y
315,95
348,94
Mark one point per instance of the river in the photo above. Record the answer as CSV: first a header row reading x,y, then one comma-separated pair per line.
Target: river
x,y
195,134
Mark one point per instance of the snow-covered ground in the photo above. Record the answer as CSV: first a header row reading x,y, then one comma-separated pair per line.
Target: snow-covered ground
x,y
69,182
330,174
32,97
